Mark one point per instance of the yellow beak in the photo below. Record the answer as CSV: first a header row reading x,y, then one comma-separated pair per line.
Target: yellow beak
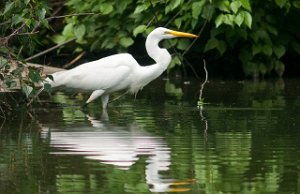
x,y
182,34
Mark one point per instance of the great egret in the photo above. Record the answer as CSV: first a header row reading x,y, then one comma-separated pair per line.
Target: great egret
x,y
119,71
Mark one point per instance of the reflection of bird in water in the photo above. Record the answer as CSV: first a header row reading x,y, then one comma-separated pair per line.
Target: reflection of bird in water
x,y
120,71
118,146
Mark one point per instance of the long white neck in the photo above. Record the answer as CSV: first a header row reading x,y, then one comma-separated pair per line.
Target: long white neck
x,y
161,56
146,74
162,59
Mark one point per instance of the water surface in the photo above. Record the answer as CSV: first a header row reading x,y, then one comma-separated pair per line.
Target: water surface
x,y
244,140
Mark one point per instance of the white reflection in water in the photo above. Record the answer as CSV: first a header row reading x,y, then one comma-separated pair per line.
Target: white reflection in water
x,y
118,146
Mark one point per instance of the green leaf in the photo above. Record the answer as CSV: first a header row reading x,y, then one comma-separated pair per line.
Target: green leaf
x,y
239,18
140,8
27,89
221,47
219,20
246,4
79,31
267,49
247,19
211,44
106,8
58,39
17,18
41,13
296,4
174,62
68,31
229,19
10,83
139,29
207,12
3,62
122,5
183,44
8,7
126,41
197,8
47,88
279,51
224,6
235,5
272,30
256,48
262,68
172,5
34,75
178,22
280,3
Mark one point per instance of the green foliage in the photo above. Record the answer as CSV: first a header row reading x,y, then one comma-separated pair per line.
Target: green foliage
x,y
116,24
253,35
20,22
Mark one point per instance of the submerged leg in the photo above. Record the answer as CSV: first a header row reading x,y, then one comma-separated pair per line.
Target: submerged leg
x,y
94,95
104,99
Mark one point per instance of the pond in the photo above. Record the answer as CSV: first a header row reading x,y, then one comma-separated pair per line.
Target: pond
x,y
244,140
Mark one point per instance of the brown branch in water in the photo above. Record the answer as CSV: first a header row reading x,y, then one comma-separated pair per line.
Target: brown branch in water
x,y
201,101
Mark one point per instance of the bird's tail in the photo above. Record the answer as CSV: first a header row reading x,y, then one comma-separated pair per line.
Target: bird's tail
x,y
55,79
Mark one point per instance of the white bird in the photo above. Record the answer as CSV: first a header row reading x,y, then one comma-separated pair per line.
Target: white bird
x,y
120,71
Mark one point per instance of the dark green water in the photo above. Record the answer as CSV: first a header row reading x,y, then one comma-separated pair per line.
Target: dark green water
x,y
246,140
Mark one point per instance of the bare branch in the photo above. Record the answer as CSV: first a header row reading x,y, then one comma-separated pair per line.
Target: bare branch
x,y
70,15
16,31
74,60
48,50
199,33
205,81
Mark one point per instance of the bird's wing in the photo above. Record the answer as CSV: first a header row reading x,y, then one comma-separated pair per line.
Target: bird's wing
x,y
123,59
105,78
110,73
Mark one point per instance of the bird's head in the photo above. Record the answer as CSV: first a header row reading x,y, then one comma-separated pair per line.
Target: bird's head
x,y
165,33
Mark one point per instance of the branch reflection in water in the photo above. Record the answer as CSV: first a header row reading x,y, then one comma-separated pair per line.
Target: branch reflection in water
x,y
120,147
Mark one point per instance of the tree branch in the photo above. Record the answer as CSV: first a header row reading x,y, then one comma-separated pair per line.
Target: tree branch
x,y
205,81
48,50
70,15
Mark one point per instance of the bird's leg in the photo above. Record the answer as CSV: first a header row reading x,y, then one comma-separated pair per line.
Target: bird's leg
x,y
94,95
104,99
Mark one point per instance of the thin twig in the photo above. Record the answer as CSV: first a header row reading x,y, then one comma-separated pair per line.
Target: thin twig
x,y
74,60
205,81
16,31
199,33
48,50
35,96
191,66
27,33
118,97
70,15
6,22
